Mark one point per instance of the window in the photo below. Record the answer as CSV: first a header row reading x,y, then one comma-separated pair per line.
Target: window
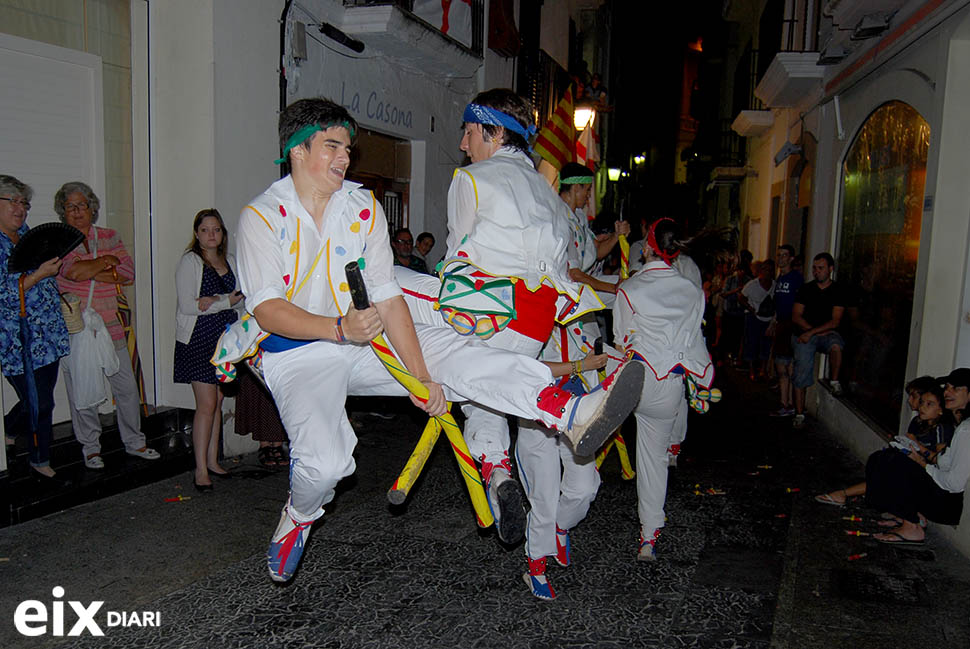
x,y
882,209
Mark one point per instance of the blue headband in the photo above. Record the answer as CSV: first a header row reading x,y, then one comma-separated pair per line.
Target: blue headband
x,y
478,114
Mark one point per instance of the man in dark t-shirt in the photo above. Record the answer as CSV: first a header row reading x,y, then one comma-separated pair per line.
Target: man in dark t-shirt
x,y
816,315
787,286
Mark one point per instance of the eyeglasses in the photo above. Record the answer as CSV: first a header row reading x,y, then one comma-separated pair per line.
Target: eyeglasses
x,y
75,207
17,201
404,242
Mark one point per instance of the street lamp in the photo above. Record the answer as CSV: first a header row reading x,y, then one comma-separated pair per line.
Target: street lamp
x,y
582,116
613,173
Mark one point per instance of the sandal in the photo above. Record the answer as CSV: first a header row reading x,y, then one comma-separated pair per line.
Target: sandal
x,y
280,455
892,538
827,499
896,520
267,457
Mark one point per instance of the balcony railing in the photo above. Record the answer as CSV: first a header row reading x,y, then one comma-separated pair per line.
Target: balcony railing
x,y
800,26
732,147
470,35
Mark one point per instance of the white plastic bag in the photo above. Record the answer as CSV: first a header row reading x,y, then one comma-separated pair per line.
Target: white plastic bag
x,y
92,358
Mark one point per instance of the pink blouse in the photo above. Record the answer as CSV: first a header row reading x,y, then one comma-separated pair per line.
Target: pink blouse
x,y
105,300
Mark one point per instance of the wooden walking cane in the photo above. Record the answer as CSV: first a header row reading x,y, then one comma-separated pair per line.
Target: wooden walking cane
x,y
616,439
131,343
446,422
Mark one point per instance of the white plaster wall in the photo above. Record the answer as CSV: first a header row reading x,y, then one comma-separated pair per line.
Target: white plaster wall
x,y
100,28
403,102
554,30
756,196
214,103
183,154
246,103
141,182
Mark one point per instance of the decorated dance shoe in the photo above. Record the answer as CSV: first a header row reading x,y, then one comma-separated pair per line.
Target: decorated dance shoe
x,y
562,547
286,547
673,451
648,550
536,580
506,500
588,420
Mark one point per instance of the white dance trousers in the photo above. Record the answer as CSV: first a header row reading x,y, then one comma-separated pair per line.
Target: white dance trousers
x,y
310,385
486,429
656,416
559,485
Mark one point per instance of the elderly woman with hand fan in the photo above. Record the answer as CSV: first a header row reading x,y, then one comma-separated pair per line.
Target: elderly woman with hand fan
x,y
92,272
34,319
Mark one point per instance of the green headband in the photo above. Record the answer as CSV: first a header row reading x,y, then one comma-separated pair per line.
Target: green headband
x,y
306,133
576,180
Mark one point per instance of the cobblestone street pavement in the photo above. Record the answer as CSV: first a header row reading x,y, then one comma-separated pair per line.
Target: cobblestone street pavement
x,y
758,565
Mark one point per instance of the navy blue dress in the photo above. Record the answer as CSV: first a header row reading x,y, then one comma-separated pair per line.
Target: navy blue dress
x,y
192,359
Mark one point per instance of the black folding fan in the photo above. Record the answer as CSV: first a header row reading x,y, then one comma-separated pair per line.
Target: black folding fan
x,y
46,241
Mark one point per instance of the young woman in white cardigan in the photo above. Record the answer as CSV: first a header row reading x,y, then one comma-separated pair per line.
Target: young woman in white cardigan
x,y
208,301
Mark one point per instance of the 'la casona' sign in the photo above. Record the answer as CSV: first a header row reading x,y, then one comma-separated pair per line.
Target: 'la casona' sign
x,y
376,108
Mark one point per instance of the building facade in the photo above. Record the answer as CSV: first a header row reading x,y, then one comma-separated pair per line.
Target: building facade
x,y
171,107
859,148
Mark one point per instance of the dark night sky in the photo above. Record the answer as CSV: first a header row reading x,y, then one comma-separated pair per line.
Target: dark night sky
x,y
649,42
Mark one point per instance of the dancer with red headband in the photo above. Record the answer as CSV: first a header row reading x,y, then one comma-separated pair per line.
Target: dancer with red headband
x,y
657,316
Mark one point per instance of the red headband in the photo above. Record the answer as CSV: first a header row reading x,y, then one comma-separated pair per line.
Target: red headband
x,y
652,242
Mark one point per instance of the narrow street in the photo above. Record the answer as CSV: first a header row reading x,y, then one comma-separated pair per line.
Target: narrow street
x,y
760,565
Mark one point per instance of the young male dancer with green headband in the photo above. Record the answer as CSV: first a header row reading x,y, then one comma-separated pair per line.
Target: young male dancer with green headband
x,y
294,242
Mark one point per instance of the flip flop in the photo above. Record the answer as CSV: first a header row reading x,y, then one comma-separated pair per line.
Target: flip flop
x,y
886,516
900,540
826,499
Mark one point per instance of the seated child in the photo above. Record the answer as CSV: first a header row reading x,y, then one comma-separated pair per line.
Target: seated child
x,y
929,433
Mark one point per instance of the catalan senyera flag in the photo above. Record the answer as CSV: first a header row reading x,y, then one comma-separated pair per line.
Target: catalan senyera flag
x,y
556,142
588,154
588,146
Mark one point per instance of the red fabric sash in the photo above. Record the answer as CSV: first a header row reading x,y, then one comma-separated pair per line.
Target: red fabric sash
x,y
535,313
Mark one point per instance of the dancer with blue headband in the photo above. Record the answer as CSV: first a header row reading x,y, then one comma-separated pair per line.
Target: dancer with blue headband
x,y
505,280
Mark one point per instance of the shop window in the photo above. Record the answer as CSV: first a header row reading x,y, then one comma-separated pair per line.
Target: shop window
x,y
882,207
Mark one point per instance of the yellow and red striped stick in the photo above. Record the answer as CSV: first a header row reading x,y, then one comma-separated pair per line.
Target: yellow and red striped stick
x,y
398,492
626,469
445,422
624,257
